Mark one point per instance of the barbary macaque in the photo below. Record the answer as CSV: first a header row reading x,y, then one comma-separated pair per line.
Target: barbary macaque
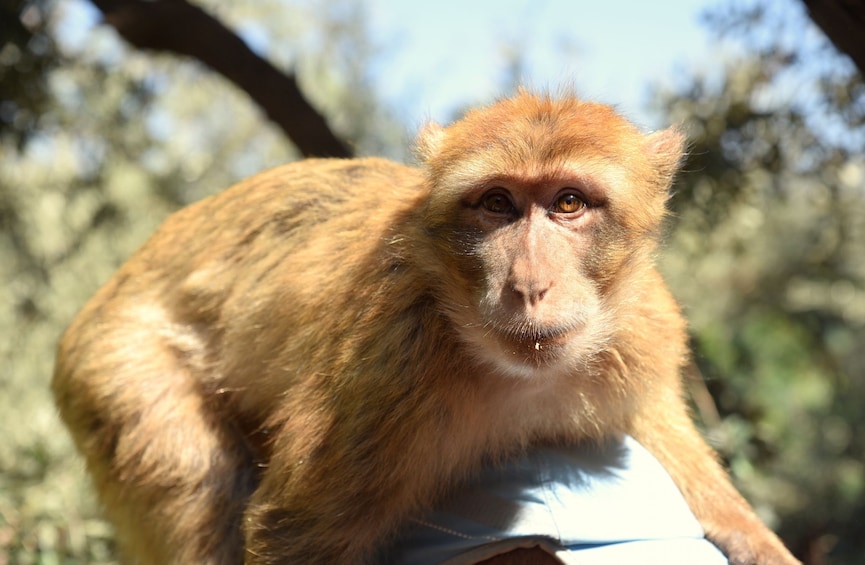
x,y
288,371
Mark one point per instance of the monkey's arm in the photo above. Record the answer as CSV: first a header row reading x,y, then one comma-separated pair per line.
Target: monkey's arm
x,y
728,520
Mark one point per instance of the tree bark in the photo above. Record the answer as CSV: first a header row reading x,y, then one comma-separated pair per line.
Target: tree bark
x,y
843,22
179,27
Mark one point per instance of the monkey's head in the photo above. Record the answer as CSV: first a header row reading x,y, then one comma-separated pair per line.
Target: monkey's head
x,y
545,215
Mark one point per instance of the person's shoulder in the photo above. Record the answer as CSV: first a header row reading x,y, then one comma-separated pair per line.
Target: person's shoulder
x,y
590,503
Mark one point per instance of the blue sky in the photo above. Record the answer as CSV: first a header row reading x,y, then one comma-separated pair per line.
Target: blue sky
x,y
442,54
438,56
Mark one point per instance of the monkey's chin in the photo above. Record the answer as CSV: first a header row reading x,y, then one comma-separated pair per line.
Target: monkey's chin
x,y
531,356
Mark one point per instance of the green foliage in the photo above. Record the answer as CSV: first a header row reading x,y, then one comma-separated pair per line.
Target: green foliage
x,y
766,254
27,55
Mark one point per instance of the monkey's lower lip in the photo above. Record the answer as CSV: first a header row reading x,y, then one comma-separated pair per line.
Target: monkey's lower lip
x,y
540,342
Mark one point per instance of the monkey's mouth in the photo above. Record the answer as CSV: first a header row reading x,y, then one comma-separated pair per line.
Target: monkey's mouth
x,y
535,342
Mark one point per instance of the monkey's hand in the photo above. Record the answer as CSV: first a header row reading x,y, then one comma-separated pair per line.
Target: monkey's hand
x,y
755,547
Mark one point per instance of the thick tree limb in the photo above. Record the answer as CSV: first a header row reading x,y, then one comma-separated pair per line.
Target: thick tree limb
x,y
843,21
180,27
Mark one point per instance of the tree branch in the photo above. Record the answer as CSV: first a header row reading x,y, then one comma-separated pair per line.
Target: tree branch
x,y
182,28
843,22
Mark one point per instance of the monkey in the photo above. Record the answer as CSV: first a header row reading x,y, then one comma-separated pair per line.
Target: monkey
x,y
287,371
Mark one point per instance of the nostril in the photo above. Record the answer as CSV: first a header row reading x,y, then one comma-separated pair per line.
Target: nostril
x,y
530,294
518,290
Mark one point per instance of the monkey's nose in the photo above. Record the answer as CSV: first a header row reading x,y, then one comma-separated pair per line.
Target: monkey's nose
x,y
530,293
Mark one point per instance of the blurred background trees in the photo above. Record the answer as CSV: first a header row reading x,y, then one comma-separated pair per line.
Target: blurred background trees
x,y
766,246
766,253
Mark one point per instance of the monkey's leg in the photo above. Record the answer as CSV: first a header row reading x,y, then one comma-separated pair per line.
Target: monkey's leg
x,y
336,488
172,474
727,519
316,517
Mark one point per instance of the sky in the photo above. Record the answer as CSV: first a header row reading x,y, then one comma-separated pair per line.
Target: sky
x,y
443,54
437,57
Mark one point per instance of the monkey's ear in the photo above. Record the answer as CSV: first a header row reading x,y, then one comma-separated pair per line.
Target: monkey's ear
x,y
666,150
429,141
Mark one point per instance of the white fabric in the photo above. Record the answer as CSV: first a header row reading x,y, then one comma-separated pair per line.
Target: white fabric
x,y
585,504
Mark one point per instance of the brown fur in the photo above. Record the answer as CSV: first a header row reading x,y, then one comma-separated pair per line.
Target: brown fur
x,y
529,556
288,370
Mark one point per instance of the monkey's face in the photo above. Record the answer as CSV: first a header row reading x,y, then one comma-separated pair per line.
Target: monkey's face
x,y
544,210
536,252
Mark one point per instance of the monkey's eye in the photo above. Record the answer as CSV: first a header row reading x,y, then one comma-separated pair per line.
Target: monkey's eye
x,y
569,203
497,202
